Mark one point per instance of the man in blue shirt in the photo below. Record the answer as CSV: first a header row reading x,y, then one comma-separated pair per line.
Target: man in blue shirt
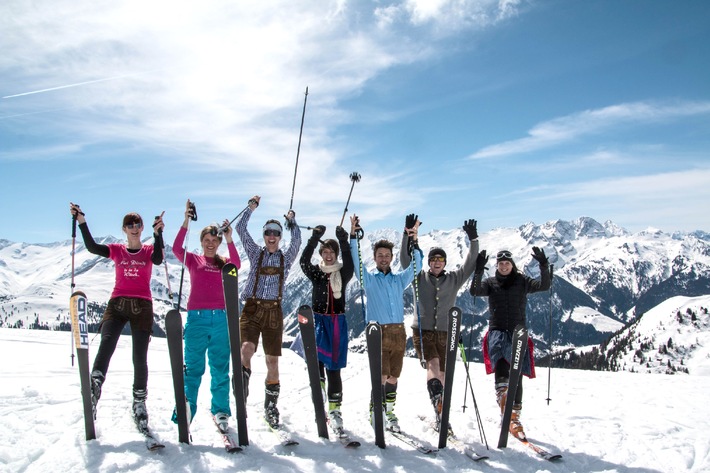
x,y
385,305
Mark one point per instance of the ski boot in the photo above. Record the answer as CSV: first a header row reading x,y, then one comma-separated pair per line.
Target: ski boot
x,y
516,428
271,412
97,381
140,413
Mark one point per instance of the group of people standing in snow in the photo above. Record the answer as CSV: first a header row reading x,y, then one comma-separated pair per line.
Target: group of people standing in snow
x,y
206,333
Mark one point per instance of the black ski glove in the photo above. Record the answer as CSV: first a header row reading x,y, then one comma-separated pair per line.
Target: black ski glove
x,y
410,221
341,234
481,261
318,232
469,226
539,255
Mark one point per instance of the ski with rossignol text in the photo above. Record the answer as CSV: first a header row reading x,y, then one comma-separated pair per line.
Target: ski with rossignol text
x,y
520,347
230,282
173,331
373,336
308,336
230,445
80,332
452,339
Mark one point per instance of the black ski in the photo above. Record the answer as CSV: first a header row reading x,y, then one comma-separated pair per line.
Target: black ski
x,y
308,336
452,340
230,282
345,439
173,331
520,347
80,332
373,334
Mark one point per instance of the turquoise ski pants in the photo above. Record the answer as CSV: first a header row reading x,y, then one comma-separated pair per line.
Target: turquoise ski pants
x,y
206,331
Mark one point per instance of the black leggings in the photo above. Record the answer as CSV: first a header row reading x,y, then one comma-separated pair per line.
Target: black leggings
x,y
502,375
110,332
335,382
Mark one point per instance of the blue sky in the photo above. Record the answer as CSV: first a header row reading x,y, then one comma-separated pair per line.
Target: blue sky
x,y
504,111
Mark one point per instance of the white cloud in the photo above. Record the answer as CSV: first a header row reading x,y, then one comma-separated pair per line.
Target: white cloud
x,y
565,129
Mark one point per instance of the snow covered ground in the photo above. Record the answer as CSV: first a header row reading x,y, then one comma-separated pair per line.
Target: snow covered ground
x,y
599,422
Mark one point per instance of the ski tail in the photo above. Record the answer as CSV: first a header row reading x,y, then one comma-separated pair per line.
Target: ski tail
x,y
373,334
520,346
308,336
451,348
80,334
173,330
230,283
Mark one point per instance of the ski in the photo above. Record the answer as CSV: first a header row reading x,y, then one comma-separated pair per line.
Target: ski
x,y
308,336
345,439
413,442
456,442
173,331
151,441
540,451
373,334
230,445
283,435
80,332
230,282
467,450
451,348
520,347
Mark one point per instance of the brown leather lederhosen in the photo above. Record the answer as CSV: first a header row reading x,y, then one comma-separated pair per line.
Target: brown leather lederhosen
x,y
262,316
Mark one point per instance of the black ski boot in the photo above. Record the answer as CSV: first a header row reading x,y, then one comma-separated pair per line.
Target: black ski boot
x,y
140,413
97,380
271,398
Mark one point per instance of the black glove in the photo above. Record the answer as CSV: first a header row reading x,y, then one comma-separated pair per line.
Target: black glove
x,y
341,234
318,232
410,221
481,261
539,255
469,226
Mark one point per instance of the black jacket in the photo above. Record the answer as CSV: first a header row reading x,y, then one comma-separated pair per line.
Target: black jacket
x,y
322,301
507,296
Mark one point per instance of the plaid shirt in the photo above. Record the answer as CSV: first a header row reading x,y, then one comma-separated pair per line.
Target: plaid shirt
x,y
268,284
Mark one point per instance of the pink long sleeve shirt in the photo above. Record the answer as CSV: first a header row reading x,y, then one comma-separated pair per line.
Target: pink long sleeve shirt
x,y
205,277
133,271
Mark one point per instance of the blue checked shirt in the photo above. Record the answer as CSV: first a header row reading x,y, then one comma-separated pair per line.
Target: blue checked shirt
x,y
268,285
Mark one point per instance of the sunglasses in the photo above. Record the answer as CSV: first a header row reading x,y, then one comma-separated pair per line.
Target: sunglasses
x,y
438,259
275,233
131,226
504,254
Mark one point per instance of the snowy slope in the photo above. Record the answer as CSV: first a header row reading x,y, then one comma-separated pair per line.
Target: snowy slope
x,y
599,421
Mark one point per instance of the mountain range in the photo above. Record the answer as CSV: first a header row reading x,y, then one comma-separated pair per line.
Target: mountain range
x,y
604,278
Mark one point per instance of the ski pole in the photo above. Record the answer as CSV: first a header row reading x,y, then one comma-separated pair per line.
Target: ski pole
x,y
193,216
415,292
298,152
481,432
470,344
549,344
224,227
354,177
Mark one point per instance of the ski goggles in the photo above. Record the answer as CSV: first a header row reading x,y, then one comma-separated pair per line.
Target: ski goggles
x,y
437,259
504,255
270,232
131,226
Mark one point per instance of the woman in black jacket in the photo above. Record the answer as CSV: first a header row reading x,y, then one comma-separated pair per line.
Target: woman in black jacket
x,y
507,297
329,278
